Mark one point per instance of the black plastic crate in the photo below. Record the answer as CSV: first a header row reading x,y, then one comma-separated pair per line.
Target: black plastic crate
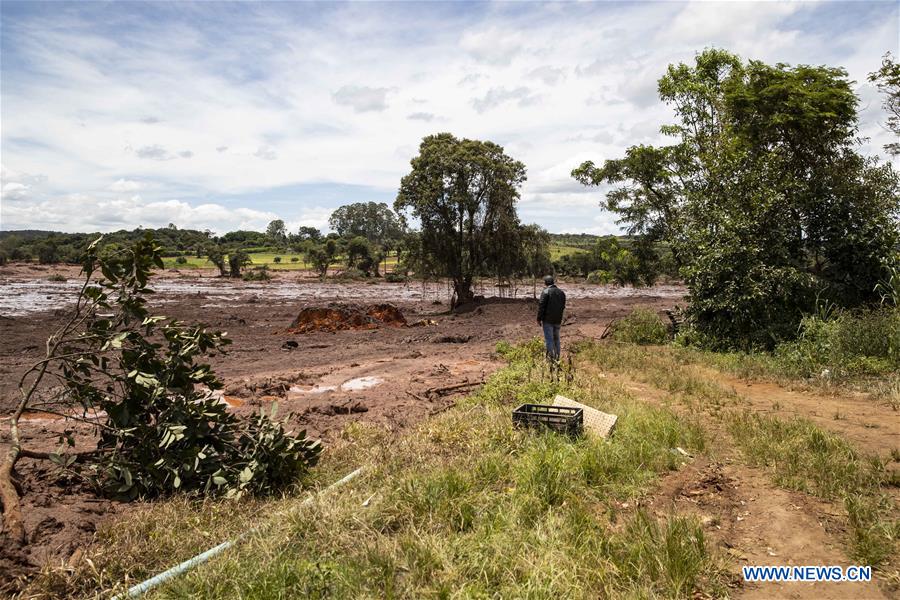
x,y
563,419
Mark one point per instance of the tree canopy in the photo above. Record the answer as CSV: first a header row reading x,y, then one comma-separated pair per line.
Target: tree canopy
x,y
374,221
763,197
464,193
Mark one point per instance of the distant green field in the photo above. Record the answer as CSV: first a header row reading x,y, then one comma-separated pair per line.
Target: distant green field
x,y
258,259
557,251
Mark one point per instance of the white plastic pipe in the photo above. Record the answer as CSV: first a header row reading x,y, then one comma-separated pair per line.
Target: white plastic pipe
x,y
149,584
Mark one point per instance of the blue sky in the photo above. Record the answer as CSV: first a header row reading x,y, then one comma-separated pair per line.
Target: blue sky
x,y
227,115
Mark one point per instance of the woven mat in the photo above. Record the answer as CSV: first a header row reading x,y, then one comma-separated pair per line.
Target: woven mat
x,y
595,421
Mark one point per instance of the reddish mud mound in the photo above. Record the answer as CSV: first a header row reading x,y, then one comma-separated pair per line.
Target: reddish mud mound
x,y
338,317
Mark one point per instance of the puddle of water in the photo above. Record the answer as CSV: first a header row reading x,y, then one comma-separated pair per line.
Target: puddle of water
x,y
360,383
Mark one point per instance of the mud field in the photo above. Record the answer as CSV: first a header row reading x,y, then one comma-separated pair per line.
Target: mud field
x,y
389,373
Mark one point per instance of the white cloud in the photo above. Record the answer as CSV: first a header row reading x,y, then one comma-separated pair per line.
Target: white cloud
x,y
494,97
362,98
547,74
493,45
79,212
14,191
266,153
125,185
341,94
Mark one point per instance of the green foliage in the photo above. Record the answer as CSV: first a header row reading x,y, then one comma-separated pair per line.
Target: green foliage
x,y
180,260
642,326
375,222
163,430
237,260
463,192
320,256
599,277
276,231
763,198
260,273
611,262
851,344
394,277
887,79
276,259
56,277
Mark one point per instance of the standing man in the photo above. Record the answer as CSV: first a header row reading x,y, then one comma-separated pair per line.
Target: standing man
x,y
550,316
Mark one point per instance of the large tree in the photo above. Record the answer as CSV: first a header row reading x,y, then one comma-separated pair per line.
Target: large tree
x,y
764,198
277,231
462,192
374,221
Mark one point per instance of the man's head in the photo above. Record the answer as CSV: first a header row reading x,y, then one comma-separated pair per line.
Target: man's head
x,y
548,280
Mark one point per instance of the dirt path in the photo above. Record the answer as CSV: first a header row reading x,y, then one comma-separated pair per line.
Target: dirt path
x,y
871,426
752,521
755,523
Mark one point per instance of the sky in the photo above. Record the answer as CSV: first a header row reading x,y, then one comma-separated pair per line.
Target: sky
x,y
227,115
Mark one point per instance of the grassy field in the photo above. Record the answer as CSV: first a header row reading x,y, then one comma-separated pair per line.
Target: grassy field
x,y
466,506
267,259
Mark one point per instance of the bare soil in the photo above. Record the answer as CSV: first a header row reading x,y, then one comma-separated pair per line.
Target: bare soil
x,y
389,374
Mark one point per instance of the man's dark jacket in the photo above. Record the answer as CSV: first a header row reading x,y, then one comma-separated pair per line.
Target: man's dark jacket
x,y
553,303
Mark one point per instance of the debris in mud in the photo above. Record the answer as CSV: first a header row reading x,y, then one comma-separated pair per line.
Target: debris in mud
x,y
347,408
423,323
452,339
290,345
339,316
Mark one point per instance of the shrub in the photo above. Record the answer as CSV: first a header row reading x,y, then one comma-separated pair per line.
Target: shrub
x,y
294,259
163,429
864,342
181,260
276,260
642,326
56,277
260,273
599,277
351,275
394,277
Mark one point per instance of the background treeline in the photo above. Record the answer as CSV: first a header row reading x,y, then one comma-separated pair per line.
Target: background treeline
x,y
369,240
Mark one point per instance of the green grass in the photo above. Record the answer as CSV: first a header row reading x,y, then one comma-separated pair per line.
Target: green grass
x,y
802,456
798,454
557,251
464,505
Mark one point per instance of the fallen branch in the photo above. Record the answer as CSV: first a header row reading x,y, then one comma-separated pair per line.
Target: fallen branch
x,y
417,397
450,388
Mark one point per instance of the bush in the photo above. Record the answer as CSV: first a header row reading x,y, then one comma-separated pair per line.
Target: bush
x,y
181,260
257,274
294,259
276,260
394,277
642,326
599,277
56,277
351,275
865,342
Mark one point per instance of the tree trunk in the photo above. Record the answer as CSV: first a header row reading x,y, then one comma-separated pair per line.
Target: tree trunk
x,y
463,291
